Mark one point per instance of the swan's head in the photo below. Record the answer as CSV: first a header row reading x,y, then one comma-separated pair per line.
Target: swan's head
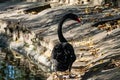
x,y
73,17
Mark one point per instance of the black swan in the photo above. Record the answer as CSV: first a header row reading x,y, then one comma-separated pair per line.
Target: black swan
x,y
63,54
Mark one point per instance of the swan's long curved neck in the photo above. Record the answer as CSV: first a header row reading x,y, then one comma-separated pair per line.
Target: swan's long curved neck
x,y
60,34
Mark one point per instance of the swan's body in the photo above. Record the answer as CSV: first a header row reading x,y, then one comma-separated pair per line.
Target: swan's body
x,y
63,54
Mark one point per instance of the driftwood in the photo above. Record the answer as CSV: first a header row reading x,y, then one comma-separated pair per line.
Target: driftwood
x,y
105,65
37,35
36,9
111,19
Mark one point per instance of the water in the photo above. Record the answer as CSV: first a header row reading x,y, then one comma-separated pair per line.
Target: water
x,y
12,72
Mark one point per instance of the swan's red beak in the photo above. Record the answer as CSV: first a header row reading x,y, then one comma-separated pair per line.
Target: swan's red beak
x,y
78,20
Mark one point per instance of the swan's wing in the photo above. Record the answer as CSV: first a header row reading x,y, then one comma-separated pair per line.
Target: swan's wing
x,y
69,52
63,53
63,56
56,51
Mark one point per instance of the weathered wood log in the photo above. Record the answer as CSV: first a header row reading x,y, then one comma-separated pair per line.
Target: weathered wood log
x,y
100,50
94,70
36,9
107,19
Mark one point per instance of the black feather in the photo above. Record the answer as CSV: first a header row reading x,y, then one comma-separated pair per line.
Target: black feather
x,y
63,54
